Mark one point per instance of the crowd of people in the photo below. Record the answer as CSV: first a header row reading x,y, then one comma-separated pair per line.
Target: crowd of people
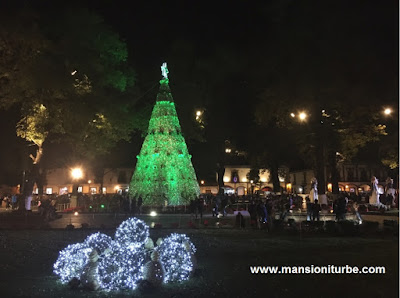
x,y
261,209
10,202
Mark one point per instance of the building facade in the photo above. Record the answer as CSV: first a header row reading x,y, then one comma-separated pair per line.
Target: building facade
x,y
60,181
353,178
237,181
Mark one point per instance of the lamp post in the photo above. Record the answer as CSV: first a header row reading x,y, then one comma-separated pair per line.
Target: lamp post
x,y
199,117
235,180
76,174
90,190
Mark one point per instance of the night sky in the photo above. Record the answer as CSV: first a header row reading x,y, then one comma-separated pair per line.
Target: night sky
x,y
223,54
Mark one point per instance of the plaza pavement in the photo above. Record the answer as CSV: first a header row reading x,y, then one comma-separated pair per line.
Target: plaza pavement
x,y
112,220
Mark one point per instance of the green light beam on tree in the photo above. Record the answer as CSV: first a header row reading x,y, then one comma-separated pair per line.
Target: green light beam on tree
x,y
164,171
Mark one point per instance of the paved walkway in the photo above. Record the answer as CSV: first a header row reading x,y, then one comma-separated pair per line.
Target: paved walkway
x,y
112,220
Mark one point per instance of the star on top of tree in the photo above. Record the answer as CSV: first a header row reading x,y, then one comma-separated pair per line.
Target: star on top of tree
x,y
164,70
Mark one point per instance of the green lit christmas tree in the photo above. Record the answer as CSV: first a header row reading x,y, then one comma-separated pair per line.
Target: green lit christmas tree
x,y
164,171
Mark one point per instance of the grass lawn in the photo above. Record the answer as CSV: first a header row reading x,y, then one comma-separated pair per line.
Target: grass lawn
x,y
224,257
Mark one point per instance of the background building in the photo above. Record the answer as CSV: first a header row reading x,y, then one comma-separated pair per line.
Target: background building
x,y
60,181
241,180
353,177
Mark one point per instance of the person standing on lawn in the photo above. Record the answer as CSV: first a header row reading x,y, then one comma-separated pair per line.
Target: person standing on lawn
x,y
309,208
390,193
253,212
14,201
199,207
355,209
316,208
139,205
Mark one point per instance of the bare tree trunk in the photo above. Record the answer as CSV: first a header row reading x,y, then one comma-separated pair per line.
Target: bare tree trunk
x,y
39,153
320,167
334,172
101,180
220,174
99,176
31,177
275,178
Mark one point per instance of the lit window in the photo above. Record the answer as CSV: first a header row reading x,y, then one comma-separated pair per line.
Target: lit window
x,y
93,190
63,190
79,188
49,191
104,190
36,191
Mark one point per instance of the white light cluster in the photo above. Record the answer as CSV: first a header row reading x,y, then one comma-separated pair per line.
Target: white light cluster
x,y
121,261
176,257
99,241
122,267
132,231
71,261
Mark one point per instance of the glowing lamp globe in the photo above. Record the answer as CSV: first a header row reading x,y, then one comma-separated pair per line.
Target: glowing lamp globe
x,y
387,111
302,116
76,173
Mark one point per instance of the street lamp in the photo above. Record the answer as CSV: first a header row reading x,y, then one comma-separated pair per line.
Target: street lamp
x,y
198,115
302,116
76,173
387,111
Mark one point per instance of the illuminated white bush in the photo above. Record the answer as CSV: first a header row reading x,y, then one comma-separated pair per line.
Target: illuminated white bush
x,y
132,231
122,267
176,258
71,261
98,241
120,263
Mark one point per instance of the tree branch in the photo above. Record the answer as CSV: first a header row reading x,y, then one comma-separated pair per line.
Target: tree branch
x,y
39,153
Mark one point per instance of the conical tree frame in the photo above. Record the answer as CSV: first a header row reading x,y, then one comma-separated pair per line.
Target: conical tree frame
x,y
164,173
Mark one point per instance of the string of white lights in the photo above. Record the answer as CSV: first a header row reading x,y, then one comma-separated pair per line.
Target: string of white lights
x,y
122,261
